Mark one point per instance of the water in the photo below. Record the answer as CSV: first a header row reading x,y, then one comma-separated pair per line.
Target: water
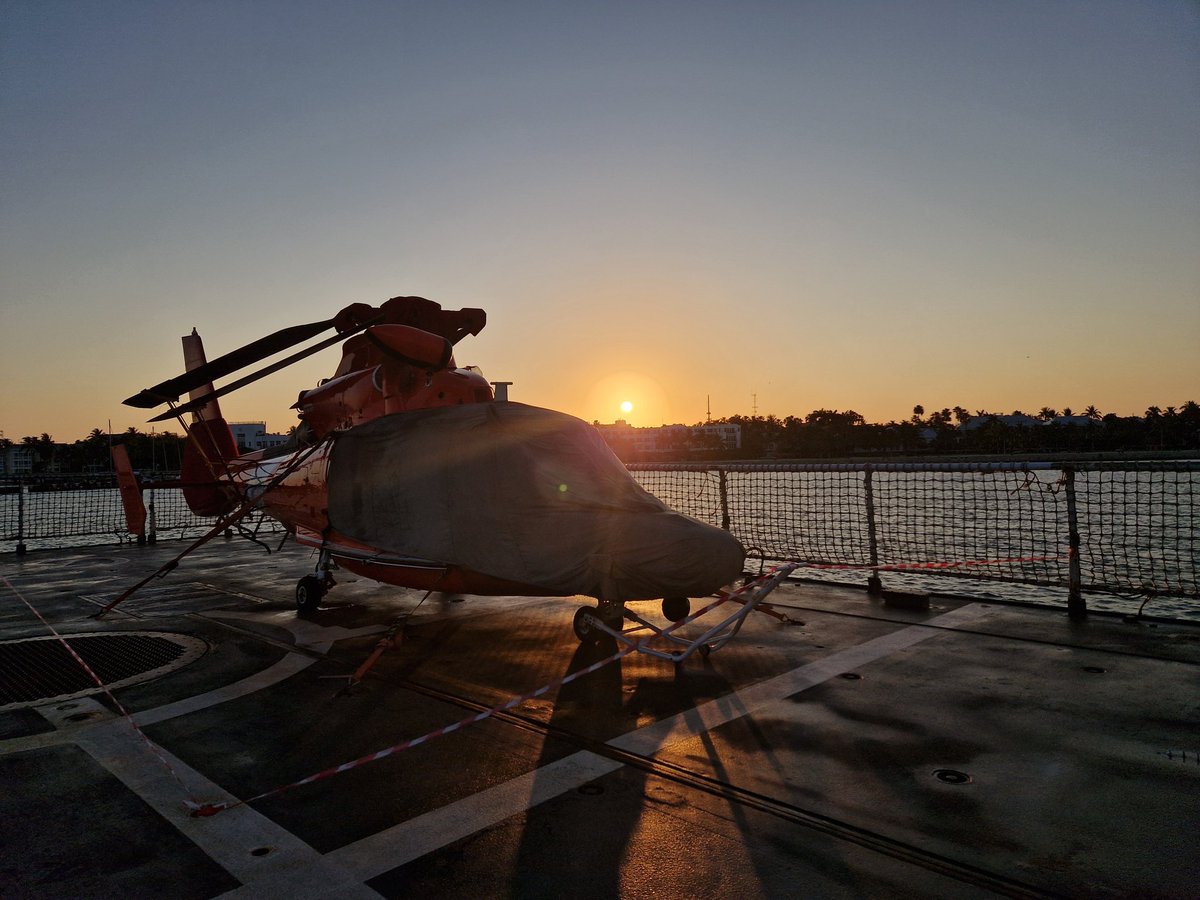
x,y
88,518
1009,527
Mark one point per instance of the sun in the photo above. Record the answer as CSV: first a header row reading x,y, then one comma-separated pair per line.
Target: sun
x,y
626,406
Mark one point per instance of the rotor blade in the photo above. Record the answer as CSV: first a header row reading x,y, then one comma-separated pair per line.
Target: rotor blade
x,y
173,388
193,405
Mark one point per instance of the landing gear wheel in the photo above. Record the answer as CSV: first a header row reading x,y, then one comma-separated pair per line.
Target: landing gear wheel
x,y
676,609
584,622
308,593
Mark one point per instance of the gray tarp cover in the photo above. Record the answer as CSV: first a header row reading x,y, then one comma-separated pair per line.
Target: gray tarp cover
x,y
520,493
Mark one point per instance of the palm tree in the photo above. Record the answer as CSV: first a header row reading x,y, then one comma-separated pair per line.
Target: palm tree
x,y
1092,413
41,448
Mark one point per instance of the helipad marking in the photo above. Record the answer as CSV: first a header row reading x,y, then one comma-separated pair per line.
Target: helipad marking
x,y
385,850
285,668
227,842
393,847
294,868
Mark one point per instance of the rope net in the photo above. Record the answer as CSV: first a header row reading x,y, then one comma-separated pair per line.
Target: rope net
x,y
82,510
1139,529
1137,523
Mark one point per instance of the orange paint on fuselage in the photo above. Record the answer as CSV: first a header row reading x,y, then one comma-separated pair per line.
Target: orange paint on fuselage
x,y
403,363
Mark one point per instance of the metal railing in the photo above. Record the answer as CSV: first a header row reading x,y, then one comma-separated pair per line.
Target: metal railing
x,y
1115,528
1119,528
73,510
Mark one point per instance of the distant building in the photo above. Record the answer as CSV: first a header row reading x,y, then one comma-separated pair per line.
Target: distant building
x,y
622,436
1023,421
729,435
1015,421
250,436
16,460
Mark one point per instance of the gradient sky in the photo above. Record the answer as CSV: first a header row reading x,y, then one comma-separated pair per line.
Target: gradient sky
x,y
803,205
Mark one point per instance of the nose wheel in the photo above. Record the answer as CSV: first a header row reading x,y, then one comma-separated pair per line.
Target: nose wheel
x,y
586,618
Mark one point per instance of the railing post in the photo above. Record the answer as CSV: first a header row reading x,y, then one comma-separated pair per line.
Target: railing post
x,y
152,525
21,489
724,499
1076,605
874,583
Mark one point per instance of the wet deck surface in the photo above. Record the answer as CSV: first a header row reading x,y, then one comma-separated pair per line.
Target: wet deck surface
x,y
799,760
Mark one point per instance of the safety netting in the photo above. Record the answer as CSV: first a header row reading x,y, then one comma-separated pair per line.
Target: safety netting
x,y
1136,523
69,511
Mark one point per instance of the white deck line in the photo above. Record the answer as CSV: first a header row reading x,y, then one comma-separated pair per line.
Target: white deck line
x,y
388,849
385,850
280,671
755,698
292,868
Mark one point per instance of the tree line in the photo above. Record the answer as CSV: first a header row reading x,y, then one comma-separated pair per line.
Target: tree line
x,y
157,452
822,433
828,433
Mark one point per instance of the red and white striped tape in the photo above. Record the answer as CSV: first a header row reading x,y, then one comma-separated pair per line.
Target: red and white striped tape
x,y
944,564
104,687
210,809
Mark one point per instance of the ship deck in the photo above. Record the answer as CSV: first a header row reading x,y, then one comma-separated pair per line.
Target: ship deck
x,y
856,750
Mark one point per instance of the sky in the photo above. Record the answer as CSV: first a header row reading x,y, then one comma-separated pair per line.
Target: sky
x,y
735,207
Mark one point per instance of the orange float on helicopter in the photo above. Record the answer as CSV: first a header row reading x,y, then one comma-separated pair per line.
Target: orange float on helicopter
x,y
405,469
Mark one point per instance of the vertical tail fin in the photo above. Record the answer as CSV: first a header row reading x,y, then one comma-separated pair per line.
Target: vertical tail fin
x,y
207,490
131,493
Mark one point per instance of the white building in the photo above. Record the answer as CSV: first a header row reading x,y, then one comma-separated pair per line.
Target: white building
x,y
670,437
16,460
251,436
729,435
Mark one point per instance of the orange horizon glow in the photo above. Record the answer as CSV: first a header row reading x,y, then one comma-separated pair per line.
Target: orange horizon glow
x,y
677,206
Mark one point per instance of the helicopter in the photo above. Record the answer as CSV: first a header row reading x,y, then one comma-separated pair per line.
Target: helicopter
x,y
407,469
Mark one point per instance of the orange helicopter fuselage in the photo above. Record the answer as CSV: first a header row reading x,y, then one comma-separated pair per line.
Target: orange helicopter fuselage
x,y
393,367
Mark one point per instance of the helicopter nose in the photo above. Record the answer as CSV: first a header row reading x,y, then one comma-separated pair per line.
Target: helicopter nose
x,y
672,556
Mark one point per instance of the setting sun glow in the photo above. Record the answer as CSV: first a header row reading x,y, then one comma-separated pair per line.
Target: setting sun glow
x,y
626,406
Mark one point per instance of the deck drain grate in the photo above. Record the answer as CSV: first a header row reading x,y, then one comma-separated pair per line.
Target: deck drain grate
x,y
39,670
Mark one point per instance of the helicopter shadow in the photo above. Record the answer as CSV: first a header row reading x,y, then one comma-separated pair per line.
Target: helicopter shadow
x,y
580,843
